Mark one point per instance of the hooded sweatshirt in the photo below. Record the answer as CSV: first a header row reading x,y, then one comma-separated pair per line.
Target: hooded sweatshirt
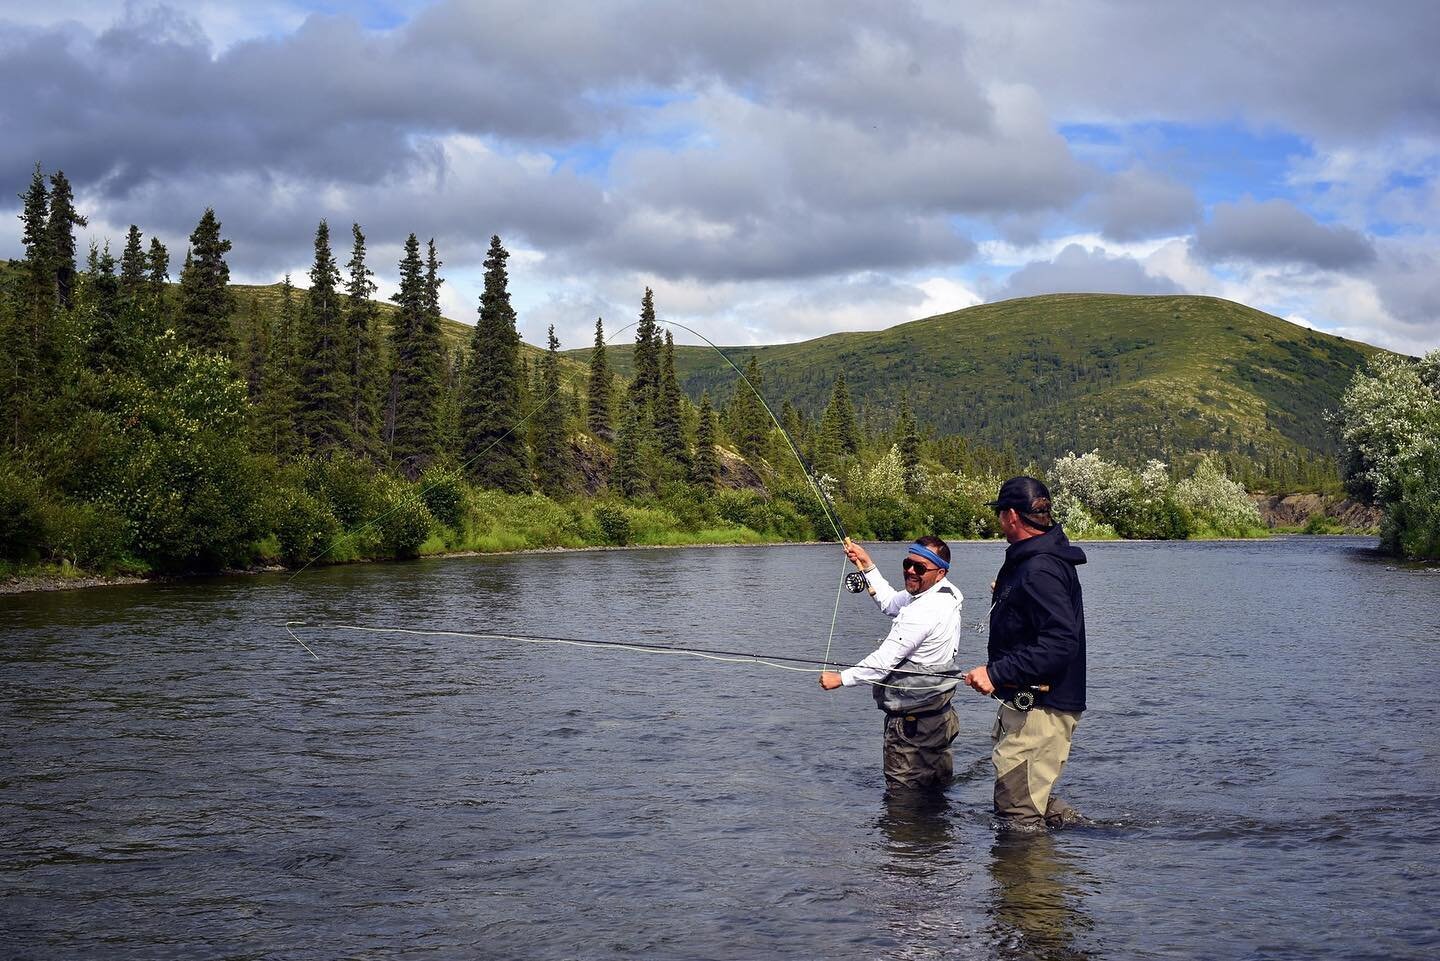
x,y
1037,623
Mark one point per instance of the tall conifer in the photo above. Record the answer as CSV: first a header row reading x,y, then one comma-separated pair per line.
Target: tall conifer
x,y
206,302
419,379
705,469
646,382
669,415
324,408
907,436
362,336
599,394
60,228
627,475
552,446
490,410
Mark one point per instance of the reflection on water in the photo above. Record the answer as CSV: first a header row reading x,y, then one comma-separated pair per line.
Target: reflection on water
x,y
917,826
1038,911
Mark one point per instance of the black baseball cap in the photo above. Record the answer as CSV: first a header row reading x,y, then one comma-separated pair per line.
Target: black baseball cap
x,y
1020,493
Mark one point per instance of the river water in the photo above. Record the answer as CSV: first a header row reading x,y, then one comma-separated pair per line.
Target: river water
x,y
180,779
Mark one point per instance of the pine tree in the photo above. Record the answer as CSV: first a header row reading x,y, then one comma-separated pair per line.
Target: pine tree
x,y
907,436
31,351
838,427
274,420
106,343
746,419
323,407
206,302
132,269
669,416
627,475
418,377
157,264
490,410
367,380
646,383
705,470
60,229
552,446
599,395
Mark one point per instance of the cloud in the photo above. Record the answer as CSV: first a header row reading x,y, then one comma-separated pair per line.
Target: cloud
x,y
1329,69
1136,204
1079,269
1278,232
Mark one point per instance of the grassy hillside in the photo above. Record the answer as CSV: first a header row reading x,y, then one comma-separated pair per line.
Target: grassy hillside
x,y
1134,376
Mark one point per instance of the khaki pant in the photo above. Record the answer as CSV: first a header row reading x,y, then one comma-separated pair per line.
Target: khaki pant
x,y
917,751
1030,751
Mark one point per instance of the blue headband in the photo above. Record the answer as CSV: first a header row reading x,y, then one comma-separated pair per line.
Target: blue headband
x,y
926,552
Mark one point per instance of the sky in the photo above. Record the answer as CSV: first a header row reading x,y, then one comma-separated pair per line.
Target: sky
x,y
774,171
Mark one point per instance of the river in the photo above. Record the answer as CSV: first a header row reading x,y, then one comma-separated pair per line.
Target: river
x,y
180,779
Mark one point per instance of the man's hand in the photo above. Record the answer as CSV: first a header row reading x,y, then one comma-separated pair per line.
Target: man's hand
x,y
979,679
830,680
857,555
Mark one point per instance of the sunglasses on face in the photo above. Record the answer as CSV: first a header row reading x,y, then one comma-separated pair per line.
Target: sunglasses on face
x,y
912,566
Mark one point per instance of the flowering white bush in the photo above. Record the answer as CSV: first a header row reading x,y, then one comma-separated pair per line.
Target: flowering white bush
x,y
884,479
1217,501
1389,419
1088,489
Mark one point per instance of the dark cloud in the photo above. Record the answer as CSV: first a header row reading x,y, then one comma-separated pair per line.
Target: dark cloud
x,y
1081,270
1136,204
703,141
1329,69
1278,232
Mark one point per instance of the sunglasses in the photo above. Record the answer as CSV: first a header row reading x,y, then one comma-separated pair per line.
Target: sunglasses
x,y
909,566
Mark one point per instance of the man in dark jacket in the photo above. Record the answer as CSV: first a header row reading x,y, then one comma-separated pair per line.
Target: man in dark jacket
x,y
1036,658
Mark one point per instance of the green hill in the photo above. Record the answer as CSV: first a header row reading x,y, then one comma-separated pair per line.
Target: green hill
x,y
1136,377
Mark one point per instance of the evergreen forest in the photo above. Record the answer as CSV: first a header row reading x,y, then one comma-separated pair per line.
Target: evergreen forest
x,y
158,418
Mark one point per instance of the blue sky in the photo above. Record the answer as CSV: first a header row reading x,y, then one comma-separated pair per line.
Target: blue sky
x,y
775,173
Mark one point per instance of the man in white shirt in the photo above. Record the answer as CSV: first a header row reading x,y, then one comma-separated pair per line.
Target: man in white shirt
x,y
912,673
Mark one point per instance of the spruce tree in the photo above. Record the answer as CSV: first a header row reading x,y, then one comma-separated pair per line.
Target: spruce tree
x,y
705,470
106,344
907,436
490,410
746,419
669,415
274,421
157,265
552,446
132,269
362,336
839,429
60,229
409,306
646,383
324,401
31,349
599,394
206,302
627,474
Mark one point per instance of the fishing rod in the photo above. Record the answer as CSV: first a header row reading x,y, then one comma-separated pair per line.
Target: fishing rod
x,y
636,646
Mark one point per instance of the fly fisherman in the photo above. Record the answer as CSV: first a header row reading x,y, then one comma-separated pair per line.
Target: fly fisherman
x,y
919,723
1036,658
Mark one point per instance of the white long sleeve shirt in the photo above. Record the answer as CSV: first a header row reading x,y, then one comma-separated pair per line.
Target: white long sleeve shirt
x,y
926,628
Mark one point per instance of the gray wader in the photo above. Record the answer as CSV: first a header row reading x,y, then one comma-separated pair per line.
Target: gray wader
x,y
919,724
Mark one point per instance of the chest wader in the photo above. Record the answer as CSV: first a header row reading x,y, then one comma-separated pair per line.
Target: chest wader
x,y
919,723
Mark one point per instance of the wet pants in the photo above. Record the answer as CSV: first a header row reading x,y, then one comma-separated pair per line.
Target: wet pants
x,y
1030,751
917,749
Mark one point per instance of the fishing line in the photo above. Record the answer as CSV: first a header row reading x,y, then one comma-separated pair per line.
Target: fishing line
x,y
638,647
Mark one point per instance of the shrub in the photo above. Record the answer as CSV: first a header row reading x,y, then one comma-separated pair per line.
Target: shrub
x,y
21,528
86,535
404,521
614,523
444,494
1412,524
303,525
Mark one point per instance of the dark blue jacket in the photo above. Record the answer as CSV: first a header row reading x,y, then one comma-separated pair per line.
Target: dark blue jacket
x,y
1037,626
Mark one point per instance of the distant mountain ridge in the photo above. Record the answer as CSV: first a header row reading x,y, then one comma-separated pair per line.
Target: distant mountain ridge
x,y
1134,376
